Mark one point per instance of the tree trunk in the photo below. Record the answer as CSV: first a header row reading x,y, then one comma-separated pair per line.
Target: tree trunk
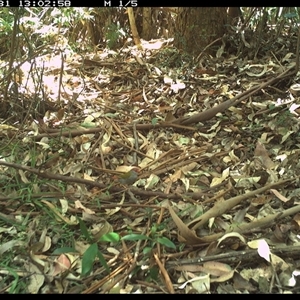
x,y
234,14
196,27
147,24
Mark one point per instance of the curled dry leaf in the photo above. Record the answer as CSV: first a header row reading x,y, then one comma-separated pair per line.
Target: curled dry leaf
x,y
185,234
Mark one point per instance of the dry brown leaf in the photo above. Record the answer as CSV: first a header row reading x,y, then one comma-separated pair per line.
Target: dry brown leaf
x,y
47,244
223,277
185,234
173,178
169,117
216,268
189,268
260,200
261,152
8,246
79,205
189,167
278,263
100,229
239,283
59,216
279,196
200,283
231,235
36,279
296,221
60,114
62,263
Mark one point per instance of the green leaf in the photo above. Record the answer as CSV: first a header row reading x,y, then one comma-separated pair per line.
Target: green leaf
x,y
154,121
153,229
134,237
103,261
84,230
15,283
184,140
64,250
166,242
153,274
88,125
88,259
147,250
110,237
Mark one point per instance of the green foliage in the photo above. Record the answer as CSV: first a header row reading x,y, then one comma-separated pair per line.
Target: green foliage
x,y
8,221
6,21
10,278
273,15
84,230
284,119
135,237
15,285
165,242
154,238
39,26
111,237
113,35
88,259
153,274
103,261
70,16
154,121
93,252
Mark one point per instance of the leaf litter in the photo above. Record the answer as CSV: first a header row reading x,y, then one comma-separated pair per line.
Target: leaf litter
x,y
215,207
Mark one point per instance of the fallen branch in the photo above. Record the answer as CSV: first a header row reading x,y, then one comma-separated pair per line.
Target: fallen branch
x,y
187,232
223,206
210,113
112,189
236,256
180,123
260,223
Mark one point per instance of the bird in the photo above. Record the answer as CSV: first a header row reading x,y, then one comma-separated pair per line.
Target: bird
x,y
129,177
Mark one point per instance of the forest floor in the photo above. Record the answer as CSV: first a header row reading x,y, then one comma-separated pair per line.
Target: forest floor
x,y
215,142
